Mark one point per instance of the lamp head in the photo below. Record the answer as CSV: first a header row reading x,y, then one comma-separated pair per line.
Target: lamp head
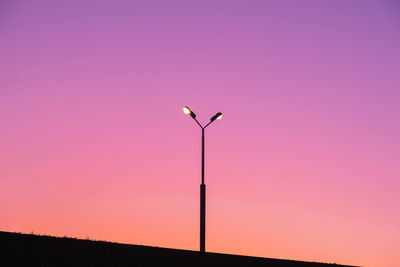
x,y
217,116
188,111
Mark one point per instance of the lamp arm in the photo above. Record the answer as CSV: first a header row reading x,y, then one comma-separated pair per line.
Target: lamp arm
x,y
208,124
199,123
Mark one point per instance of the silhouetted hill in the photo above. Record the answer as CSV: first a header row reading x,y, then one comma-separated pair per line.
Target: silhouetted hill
x,y
35,250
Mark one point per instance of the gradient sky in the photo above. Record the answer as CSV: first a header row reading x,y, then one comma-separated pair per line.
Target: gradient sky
x,y
304,165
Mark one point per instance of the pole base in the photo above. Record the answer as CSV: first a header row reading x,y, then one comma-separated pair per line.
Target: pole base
x,y
202,218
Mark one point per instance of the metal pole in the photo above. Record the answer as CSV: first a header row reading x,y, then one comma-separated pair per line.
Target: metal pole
x,y
202,199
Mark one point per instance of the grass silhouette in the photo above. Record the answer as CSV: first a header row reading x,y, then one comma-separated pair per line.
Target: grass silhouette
x,y
42,250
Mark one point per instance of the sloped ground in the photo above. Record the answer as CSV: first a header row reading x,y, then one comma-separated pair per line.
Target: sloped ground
x,y
33,250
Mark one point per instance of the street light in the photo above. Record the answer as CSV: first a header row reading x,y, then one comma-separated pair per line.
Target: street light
x,y
217,116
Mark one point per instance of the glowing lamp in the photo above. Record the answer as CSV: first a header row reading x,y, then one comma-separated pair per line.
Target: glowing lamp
x,y
217,116
186,110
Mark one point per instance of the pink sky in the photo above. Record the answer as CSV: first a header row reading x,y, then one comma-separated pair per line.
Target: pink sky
x,y
304,164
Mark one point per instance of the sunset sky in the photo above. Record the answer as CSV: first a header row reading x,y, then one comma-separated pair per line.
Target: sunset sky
x,y
304,165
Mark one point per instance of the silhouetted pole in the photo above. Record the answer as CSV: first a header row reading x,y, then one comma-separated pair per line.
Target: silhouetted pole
x,y
202,199
218,116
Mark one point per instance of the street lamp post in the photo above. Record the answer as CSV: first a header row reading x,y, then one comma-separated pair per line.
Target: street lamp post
x,y
217,116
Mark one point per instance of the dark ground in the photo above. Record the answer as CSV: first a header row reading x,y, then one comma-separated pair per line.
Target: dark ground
x,y
34,250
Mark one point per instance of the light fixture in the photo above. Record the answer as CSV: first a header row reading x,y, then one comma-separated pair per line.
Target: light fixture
x,y
217,116
187,111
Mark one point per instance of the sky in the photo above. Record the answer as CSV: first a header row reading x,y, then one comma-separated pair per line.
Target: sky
x,y
304,164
